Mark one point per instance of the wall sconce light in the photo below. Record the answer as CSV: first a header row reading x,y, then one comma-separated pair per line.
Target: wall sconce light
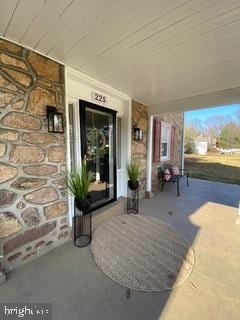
x,y
138,133
55,120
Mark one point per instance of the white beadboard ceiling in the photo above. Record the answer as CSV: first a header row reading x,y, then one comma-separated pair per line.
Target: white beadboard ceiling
x,y
155,51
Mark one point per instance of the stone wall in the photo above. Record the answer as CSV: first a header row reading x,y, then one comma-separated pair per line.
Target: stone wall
x,y
139,148
175,119
33,206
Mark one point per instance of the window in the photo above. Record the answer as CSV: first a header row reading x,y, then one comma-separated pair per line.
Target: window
x,y
164,139
165,142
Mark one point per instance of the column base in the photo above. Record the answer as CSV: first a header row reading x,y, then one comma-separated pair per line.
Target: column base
x,y
149,195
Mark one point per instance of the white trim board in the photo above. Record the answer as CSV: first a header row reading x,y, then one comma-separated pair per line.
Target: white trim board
x,y
95,84
79,87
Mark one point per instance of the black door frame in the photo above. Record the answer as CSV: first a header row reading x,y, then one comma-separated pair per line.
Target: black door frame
x,y
82,108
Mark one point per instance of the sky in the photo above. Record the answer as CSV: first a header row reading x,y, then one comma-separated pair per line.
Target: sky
x,y
203,114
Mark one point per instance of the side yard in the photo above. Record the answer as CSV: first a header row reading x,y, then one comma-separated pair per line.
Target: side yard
x,y
214,166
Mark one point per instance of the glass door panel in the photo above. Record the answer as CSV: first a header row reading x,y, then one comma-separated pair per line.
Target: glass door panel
x,y
98,151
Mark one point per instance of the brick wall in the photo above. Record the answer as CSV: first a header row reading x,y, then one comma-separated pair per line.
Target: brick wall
x,y
33,206
175,119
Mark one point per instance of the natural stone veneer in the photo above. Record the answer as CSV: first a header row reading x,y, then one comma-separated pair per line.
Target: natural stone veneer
x,y
8,47
2,149
31,217
40,170
38,100
32,160
21,78
5,99
25,183
14,62
20,205
55,210
29,235
21,120
8,135
9,224
39,138
26,154
19,104
7,198
139,148
56,154
60,183
42,196
7,172
14,256
44,67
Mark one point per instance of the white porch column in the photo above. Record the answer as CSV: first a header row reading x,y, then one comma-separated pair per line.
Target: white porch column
x,y
149,158
183,139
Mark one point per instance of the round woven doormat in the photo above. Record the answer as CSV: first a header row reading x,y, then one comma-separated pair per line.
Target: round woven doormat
x,y
142,253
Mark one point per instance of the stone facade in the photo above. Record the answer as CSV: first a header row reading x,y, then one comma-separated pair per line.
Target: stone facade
x,y
139,148
33,198
175,119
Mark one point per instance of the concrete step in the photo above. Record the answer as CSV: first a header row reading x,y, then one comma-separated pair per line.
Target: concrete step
x,y
107,212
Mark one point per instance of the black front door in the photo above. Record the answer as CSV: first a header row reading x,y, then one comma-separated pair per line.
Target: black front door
x,y
98,150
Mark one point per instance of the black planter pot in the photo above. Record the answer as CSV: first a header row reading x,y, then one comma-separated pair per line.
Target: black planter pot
x,y
133,185
83,205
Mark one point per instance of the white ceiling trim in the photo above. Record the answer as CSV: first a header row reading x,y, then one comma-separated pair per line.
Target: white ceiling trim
x,y
208,100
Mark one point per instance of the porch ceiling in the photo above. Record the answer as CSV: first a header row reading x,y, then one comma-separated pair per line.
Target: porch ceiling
x,y
155,51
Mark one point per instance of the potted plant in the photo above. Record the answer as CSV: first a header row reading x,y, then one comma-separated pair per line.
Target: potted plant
x,y
78,185
133,170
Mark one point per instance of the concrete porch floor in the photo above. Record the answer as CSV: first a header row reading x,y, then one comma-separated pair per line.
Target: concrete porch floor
x,y
206,214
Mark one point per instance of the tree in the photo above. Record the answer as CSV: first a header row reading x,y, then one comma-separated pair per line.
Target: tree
x,y
230,136
197,124
214,124
237,116
190,134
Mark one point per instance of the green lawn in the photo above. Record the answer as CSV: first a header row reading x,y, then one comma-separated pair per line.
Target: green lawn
x,y
214,167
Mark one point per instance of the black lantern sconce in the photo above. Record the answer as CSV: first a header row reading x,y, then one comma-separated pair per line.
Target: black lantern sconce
x,y
55,120
138,133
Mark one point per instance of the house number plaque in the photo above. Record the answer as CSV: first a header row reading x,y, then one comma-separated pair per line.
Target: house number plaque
x,y
99,97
